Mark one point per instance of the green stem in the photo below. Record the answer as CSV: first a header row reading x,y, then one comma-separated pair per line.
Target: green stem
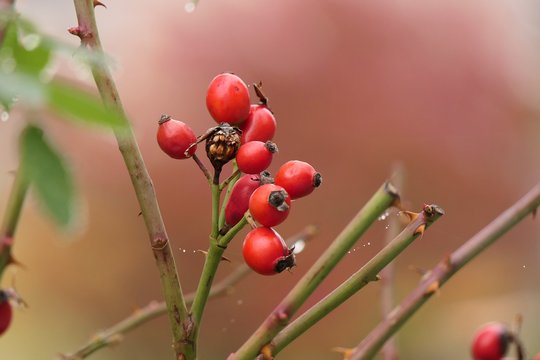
x,y
358,280
144,189
232,180
443,271
11,219
114,334
385,197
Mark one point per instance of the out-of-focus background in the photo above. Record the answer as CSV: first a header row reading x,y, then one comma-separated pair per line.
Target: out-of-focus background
x,y
449,88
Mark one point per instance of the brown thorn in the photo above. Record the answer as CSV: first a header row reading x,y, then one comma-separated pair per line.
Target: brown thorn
x,y
420,230
266,352
202,252
346,352
534,213
411,215
99,3
432,288
224,258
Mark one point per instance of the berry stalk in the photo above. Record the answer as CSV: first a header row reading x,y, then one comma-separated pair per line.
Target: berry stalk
x,y
142,184
385,197
443,271
359,279
11,218
114,334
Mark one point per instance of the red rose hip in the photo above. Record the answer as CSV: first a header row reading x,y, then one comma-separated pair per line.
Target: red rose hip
x,y
260,125
6,312
298,178
266,253
269,205
227,99
255,156
174,137
238,202
491,342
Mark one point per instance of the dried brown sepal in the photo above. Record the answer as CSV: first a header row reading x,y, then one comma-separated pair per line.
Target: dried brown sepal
x,y
346,352
263,99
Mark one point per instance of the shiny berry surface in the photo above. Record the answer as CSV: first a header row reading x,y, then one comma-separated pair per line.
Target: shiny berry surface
x,y
490,342
238,202
265,252
174,137
269,205
227,99
260,125
255,156
6,313
298,177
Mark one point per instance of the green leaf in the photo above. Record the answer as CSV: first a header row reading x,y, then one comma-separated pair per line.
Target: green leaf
x,y
47,173
81,105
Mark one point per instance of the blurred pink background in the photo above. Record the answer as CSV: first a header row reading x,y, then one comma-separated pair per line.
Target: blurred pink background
x,y
450,89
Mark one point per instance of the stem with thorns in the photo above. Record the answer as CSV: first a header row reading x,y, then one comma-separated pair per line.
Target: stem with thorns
x,y
443,271
142,183
358,280
11,219
385,197
114,334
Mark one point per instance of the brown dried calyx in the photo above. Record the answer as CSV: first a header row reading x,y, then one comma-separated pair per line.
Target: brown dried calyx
x,y
222,144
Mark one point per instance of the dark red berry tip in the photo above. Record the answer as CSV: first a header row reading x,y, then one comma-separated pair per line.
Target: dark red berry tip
x,y
164,118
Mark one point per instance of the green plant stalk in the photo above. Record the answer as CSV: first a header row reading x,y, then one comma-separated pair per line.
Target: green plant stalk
x,y
357,281
230,186
114,334
443,271
11,218
142,183
385,197
6,8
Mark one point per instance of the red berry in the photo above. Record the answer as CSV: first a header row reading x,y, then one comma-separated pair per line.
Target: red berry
x,y
298,178
266,253
227,99
6,312
269,205
259,126
491,342
255,156
174,137
239,200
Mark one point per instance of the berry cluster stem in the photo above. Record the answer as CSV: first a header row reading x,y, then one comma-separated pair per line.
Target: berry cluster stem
x,y
115,333
385,197
357,281
443,271
142,183
11,218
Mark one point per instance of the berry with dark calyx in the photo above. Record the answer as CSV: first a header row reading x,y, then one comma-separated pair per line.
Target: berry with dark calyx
x,y
238,202
269,205
227,99
260,125
266,253
298,177
491,342
255,156
6,312
175,137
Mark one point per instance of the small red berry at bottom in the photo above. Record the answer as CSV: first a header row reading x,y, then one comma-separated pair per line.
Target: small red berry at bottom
x,y
298,177
6,312
266,253
174,138
491,342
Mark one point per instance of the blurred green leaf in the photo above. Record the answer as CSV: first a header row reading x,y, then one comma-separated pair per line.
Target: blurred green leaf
x,y
78,104
47,173
22,86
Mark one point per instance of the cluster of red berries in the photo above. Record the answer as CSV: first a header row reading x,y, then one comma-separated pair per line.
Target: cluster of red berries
x,y
244,133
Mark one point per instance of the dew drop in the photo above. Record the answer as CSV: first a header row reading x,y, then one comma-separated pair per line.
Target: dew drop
x,y
190,7
387,226
184,250
368,244
239,302
383,216
524,266
299,246
31,41
4,116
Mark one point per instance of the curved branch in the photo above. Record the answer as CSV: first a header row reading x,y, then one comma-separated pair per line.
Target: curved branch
x,y
443,271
